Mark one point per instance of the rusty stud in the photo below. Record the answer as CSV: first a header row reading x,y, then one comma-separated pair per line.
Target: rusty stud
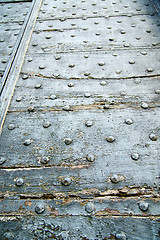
x,y
110,139
31,109
11,126
66,108
2,160
66,181
143,206
46,124
144,105
25,76
128,121
39,85
71,84
120,236
90,207
114,178
68,141
19,182
153,137
40,208
27,142
135,156
52,97
103,83
44,160
89,123
90,158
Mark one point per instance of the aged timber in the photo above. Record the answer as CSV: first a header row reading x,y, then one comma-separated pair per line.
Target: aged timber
x,y
80,144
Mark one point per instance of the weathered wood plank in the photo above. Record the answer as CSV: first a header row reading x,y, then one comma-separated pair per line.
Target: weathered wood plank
x,y
79,227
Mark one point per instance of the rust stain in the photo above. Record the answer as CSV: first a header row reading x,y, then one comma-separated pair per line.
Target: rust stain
x,y
80,166
108,211
28,203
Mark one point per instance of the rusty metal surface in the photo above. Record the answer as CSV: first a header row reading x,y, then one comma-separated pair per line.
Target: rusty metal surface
x,y
79,150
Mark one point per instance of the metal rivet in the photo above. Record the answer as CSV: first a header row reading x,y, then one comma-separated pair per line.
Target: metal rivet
x,y
97,34
42,67
120,236
144,105
11,126
90,158
66,108
132,62
30,59
157,91
2,160
39,85
86,56
34,44
153,137
144,53
89,123
138,38
48,37
18,99
106,106
114,178
135,156
71,65
128,121
31,109
103,83
111,39
40,208
52,97
19,181
90,207
27,142
46,124
126,45
68,141
71,84
87,95
143,206
123,32
44,160
66,181
101,63
87,73
119,71
122,93
25,77
110,139
150,69
4,61
57,57
99,47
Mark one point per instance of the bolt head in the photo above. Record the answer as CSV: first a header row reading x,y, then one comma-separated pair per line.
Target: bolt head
x,y
143,206
27,142
68,141
66,181
40,208
110,139
19,181
153,137
89,123
44,160
120,236
114,178
135,156
11,126
90,158
2,160
90,207
128,121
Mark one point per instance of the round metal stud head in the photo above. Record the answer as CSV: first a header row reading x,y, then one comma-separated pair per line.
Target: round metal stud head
x,y
39,208
150,69
90,158
18,99
135,156
101,63
90,207
39,85
19,181
52,97
2,160
87,95
89,123
68,141
120,236
143,206
114,178
110,139
46,124
144,105
153,137
44,160
27,142
11,126
66,181
31,109
103,83
128,121
70,84
66,108
25,77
